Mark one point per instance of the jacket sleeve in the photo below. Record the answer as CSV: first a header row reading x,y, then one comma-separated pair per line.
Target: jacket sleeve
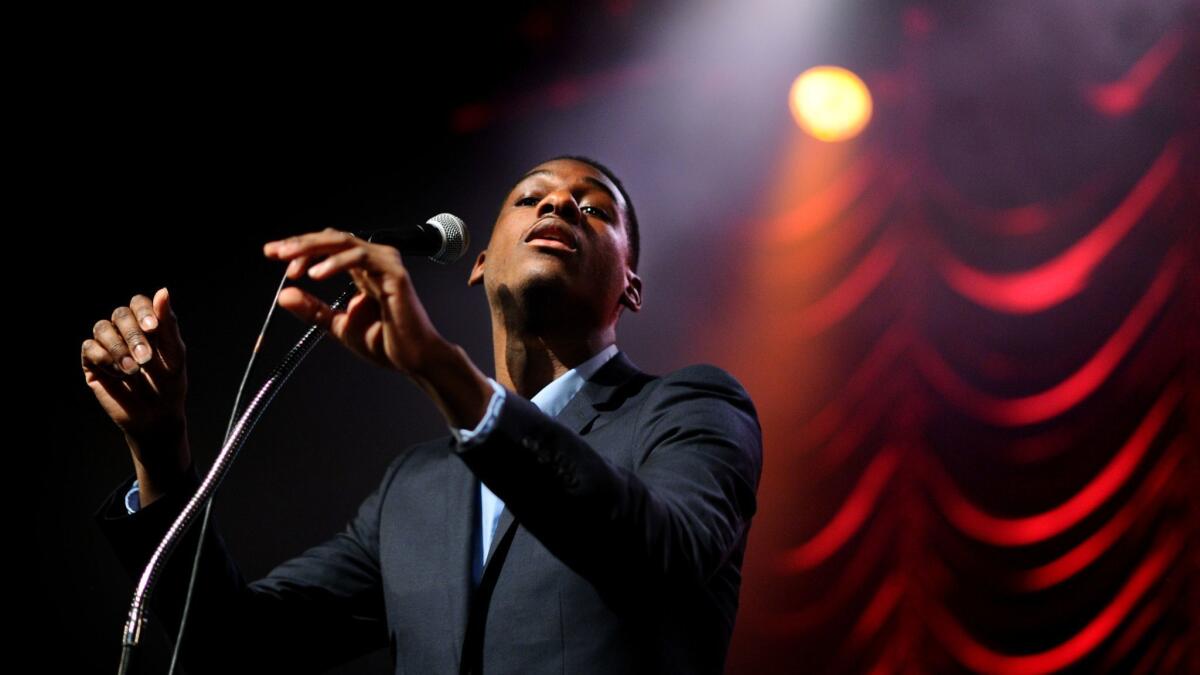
x,y
484,426
676,518
319,609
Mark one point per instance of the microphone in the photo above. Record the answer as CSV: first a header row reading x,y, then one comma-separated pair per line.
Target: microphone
x,y
443,238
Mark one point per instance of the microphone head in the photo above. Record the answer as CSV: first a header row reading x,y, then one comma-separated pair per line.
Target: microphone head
x,y
455,237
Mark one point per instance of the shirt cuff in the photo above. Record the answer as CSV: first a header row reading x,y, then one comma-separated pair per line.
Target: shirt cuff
x,y
467,437
133,501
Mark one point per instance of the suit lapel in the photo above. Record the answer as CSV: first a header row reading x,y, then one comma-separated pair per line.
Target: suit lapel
x,y
582,414
461,500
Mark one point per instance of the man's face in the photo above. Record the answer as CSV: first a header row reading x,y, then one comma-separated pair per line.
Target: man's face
x,y
560,245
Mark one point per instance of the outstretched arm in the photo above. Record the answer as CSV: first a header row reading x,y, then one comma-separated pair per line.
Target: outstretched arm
x,y
676,518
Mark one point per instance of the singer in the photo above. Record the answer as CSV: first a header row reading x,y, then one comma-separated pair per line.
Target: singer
x,y
581,516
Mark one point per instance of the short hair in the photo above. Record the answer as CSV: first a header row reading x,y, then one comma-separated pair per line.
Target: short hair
x,y
631,222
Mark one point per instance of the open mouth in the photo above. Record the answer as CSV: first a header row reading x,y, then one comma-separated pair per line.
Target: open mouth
x,y
552,233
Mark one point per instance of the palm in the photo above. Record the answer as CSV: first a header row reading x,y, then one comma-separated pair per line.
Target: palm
x,y
138,407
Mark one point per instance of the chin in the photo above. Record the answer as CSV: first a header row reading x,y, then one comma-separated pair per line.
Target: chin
x,y
538,301
543,288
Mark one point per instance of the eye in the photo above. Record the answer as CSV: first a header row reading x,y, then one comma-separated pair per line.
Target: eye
x,y
534,199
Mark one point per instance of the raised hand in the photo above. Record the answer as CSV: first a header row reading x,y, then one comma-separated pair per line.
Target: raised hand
x,y
385,322
136,365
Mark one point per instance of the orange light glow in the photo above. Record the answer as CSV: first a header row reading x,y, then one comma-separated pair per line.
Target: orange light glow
x,y
830,103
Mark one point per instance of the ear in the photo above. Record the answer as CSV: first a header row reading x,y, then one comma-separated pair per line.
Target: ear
x,y
631,297
477,271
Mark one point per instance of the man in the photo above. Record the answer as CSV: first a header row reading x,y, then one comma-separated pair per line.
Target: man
x,y
599,527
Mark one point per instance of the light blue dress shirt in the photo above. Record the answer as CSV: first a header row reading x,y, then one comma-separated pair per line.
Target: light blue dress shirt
x,y
550,400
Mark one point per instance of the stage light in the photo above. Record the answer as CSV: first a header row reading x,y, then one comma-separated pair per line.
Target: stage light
x,y
830,103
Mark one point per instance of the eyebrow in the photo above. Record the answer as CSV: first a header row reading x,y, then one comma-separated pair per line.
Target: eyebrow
x,y
590,179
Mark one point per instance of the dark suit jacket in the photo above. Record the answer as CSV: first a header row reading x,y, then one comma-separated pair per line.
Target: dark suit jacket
x,y
619,549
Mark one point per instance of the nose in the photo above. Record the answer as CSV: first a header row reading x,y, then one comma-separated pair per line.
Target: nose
x,y
561,203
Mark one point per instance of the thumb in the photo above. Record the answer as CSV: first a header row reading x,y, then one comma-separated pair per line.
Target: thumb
x,y
170,344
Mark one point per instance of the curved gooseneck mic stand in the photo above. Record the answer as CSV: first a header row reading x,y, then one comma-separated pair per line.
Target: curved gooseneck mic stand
x,y
233,443
443,238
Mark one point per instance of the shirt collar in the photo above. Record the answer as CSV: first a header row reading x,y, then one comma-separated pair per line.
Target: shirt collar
x,y
555,396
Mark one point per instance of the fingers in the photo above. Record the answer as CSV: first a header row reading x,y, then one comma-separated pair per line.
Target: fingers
x,y
292,247
296,267
366,283
307,307
313,243
99,368
355,257
126,321
143,309
107,358
139,343
344,251
99,360
378,271
110,337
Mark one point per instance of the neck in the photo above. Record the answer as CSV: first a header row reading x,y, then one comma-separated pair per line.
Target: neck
x,y
526,363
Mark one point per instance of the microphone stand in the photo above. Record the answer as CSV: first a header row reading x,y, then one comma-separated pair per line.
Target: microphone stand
x,y
233,443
